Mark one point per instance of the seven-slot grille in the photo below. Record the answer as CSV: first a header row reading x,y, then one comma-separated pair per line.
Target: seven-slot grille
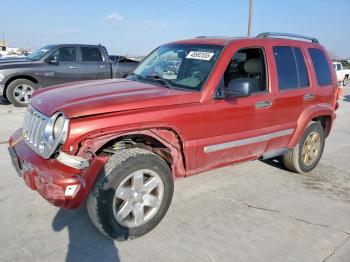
x,y
34,128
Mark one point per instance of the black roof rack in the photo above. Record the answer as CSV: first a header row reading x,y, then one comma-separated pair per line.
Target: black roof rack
x,y
286,35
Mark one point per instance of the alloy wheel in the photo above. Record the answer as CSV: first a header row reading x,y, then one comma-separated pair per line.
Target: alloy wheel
x,y
138,198
311,148
22,93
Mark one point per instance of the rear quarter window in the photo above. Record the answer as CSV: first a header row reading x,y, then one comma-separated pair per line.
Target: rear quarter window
x,y
321,66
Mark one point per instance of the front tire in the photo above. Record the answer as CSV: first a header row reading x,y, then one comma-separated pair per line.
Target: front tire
x,y
306,155
20,91
131,195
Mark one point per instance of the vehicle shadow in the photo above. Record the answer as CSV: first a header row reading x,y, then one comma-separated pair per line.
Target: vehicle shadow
x,y
86,243
275,162
346,98
4,101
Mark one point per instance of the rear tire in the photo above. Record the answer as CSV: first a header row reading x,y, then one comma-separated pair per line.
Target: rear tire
x,y
121,205
345,81
308,152
20,91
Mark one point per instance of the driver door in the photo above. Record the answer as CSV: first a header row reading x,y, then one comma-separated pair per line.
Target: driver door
x,y
65,69
235,129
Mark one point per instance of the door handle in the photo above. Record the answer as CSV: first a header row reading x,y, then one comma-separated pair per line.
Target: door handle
x,y
103,66
309,97
73,67
263,104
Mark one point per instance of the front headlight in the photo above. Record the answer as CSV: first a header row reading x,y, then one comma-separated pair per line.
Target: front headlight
x,y
58,126
1,77
56,130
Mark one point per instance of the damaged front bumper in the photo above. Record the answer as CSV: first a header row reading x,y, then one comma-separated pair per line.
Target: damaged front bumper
x,y
64,181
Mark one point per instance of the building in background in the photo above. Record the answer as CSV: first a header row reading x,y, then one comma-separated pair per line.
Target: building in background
x,y
3,48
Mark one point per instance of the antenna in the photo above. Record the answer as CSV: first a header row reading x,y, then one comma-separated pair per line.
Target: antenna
x,y
250,18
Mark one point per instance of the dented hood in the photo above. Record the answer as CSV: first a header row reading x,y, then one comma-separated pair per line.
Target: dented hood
x,y
106,96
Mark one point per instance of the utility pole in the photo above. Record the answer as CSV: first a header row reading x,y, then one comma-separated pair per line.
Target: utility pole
x,y
250,17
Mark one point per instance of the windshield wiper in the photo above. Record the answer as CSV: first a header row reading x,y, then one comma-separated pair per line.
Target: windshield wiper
x,y
133,74
138,76
163,81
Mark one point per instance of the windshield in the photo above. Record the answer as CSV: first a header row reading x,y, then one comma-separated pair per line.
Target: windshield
x,y
39,53
185,66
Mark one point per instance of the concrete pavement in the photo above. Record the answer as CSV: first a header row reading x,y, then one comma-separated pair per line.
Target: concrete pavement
x,y
255,211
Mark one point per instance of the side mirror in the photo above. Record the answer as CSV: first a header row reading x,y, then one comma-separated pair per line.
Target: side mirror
x,y
52,60
239,88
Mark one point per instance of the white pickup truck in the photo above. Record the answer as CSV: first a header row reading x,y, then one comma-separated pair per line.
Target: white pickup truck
x,y
342,74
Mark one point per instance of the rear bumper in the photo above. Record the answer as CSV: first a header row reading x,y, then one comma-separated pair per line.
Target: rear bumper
x,y
59,184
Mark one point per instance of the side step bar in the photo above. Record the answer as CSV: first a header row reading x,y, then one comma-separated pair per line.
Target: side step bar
x,y
274,153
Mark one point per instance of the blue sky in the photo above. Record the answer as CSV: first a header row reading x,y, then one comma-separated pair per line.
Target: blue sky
x,y
136,27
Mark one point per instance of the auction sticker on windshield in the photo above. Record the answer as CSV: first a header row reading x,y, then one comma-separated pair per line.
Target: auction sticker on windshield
x,y
200,55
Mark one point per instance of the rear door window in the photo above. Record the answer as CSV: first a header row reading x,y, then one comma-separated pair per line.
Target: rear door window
x,y
91,54
321,66
301,68
291,68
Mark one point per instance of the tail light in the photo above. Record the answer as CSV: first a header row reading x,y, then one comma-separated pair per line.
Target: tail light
x,y
336,106
338,94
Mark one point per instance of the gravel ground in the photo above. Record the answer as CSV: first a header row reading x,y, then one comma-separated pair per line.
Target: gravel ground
x,y
255,211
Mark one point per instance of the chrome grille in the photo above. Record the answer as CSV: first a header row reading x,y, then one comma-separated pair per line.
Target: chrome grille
x,y
34,127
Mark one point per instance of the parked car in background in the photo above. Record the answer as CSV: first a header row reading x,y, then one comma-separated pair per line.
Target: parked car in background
x,y
54,65
123,65
9,57
120,144
342,73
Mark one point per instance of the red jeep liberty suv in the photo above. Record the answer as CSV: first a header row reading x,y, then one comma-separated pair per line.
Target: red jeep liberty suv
x,y
190,106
